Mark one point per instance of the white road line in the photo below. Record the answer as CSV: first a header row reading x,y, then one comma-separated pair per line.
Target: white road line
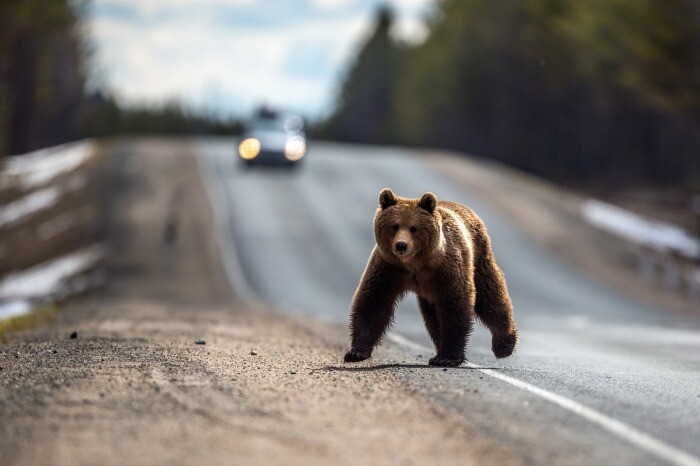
x,y
241,287
637,438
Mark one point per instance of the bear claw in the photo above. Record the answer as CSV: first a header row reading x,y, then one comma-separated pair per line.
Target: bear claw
x,y
504,346
356,355
443,361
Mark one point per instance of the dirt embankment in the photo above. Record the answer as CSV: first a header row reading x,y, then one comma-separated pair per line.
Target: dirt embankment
x,y
134,388
47,219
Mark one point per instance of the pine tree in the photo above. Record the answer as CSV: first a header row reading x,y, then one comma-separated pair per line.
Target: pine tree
x,y
364,108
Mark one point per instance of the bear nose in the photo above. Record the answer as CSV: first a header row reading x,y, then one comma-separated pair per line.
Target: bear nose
x,y
401,246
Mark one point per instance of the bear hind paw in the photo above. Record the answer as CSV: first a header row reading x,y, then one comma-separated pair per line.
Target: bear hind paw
x,y
503,346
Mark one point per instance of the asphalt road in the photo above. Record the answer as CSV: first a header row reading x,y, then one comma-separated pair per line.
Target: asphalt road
x,y
595,373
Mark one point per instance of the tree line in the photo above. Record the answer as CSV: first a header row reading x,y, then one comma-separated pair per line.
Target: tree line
x,y
44,63
598,91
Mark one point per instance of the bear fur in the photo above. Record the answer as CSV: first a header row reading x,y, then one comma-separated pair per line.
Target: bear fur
x,y
441,251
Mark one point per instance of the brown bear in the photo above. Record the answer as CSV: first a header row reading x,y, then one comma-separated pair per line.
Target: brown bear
x,y
441,251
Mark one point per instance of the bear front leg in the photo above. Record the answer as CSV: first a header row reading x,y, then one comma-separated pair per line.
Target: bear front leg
x,y
430,318
372,307
371,316
455,318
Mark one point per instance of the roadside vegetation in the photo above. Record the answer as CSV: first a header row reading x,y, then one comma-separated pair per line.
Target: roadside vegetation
x,y
42,315
603,94
44,96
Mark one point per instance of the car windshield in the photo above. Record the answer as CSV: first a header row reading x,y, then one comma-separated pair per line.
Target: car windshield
x,y
267,124
269,121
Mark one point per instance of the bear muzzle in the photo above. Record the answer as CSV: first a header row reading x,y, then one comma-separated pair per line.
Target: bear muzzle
x,y
401,247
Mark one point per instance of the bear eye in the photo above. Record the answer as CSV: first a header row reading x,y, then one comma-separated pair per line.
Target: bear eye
x,y
413,229
395,227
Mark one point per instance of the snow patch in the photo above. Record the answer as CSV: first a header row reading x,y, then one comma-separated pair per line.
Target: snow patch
x,y
56,225
47,279
37,168
27,205
640,230
14,308
41,199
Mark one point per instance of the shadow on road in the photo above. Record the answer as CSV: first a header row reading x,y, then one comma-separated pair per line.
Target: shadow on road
x,y
402,366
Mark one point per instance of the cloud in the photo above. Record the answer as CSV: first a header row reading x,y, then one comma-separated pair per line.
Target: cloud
x,y
331,4
412,30
229,56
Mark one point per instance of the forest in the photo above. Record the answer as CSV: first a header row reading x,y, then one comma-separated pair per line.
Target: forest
x,y
599,91
45,98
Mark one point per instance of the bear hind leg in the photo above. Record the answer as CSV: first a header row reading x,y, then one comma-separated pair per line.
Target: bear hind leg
x,y
494,307
499,320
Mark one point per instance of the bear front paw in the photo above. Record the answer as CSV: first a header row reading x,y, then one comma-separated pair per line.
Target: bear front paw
x,y
356,355
446,361
503,346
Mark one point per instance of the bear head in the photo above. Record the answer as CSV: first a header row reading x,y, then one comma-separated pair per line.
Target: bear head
x,y
407,230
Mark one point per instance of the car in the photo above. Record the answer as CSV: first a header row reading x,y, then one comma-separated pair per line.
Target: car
x,y
272,138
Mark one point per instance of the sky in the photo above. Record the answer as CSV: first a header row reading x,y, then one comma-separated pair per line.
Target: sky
x,y
229,56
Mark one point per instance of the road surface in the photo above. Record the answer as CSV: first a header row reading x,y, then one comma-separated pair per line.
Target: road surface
x,y
595,372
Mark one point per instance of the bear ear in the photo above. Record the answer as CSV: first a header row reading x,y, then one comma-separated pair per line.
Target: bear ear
x,y
428,202
387,198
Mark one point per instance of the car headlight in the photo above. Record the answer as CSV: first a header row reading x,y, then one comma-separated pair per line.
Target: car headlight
x,y
249,148
295,148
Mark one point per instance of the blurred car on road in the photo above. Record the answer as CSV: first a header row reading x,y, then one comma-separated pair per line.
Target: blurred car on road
x,y
273,138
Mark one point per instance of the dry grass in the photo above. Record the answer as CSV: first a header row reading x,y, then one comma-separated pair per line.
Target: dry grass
x,y
38,317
